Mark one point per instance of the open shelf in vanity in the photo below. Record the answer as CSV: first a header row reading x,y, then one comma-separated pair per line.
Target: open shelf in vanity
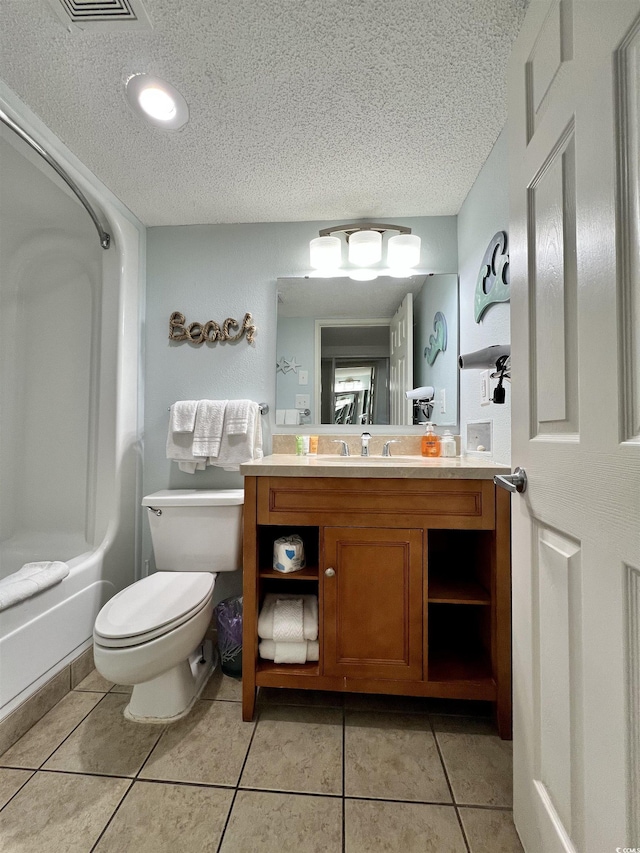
x,y
413,584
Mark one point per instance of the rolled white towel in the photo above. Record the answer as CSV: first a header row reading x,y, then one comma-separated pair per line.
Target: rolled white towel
x,y
288,623
311,650
309,616
29,580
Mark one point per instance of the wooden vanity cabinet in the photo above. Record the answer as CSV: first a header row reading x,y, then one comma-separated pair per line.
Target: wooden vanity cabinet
x,y
413,580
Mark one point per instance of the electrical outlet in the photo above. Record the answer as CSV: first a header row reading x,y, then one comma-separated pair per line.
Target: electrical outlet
x,y
485,387
303,401
303,377
443,401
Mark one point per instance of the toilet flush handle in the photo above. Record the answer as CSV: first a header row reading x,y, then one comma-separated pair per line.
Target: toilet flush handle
x,y
153,509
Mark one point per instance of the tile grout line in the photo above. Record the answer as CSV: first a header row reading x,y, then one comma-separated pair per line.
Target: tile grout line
x,y
237,786
113,814
344,774
63,741
15,793
128,789
163,729
446,776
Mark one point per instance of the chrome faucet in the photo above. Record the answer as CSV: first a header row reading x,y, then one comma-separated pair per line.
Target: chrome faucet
x,y
344,450
364,438
386,447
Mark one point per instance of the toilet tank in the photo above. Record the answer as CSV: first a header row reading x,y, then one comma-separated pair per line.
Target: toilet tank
x,y
196,530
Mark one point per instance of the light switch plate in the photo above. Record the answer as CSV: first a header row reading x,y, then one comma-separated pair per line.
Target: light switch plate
x,y
303,377
303,401
485,387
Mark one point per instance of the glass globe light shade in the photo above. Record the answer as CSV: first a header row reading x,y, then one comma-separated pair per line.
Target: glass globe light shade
x,y
325,253
403,251
365,248
363,275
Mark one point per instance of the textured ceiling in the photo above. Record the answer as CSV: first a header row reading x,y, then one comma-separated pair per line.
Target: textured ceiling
x,y
300,109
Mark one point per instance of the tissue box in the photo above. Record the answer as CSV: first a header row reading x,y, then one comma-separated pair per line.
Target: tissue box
x,y
288,554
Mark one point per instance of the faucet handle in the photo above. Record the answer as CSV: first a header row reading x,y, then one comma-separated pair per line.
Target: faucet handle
x,y
386,449
344,450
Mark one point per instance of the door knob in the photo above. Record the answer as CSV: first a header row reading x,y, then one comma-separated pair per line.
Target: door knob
x,y
516,482
329,572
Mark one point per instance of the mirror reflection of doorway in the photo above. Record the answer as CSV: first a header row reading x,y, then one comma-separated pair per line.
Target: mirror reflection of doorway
x,y
351,395
355,391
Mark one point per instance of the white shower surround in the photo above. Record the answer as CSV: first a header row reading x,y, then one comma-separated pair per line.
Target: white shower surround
x,y
68,485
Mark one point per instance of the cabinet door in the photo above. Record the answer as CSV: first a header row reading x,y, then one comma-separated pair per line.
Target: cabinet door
x,y
372,602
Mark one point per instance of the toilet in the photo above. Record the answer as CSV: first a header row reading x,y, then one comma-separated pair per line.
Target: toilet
x,y
151,635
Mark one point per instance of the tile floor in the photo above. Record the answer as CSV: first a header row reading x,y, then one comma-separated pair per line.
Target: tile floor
x,y
315,772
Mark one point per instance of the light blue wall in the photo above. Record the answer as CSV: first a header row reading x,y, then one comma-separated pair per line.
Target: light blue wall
x,y
211,272
296,338
439,293
484,212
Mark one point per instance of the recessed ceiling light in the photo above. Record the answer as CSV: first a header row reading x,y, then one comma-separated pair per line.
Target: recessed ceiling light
x,y
157,101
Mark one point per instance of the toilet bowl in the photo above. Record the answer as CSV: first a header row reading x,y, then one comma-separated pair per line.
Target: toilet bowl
x,y
151,634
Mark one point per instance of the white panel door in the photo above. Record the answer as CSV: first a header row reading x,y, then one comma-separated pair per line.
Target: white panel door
x,y
574,102
401,362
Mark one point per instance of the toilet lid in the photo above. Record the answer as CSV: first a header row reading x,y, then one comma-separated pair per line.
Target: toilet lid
x,y
158,601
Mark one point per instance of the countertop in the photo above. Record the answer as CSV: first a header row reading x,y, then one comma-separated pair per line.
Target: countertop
x,y
394,467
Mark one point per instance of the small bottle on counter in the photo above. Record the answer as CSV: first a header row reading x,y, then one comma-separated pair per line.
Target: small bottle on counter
x,y
430,442
313,445
447,444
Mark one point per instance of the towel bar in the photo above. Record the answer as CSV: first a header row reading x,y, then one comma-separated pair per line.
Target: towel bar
x,y
264,409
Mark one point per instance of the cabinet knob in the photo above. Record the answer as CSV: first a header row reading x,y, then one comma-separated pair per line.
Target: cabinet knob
x,y
329,572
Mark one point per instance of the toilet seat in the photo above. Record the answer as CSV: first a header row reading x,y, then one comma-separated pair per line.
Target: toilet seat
x,y
152,607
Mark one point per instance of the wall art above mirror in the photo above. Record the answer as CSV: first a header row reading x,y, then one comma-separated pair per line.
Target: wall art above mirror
x,y
358,346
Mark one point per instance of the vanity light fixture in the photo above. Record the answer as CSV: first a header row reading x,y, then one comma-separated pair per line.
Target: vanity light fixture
x,y
365,249
157,101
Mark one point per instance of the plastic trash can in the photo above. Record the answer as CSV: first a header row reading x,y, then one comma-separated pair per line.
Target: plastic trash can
x,y
229,618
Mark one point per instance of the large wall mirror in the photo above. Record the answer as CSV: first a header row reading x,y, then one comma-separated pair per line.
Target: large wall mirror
x,y
347,351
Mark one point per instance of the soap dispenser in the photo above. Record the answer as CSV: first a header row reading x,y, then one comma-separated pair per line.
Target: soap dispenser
x,y
430,442
448,444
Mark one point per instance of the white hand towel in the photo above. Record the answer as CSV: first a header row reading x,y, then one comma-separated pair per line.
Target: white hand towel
x,y
29,580
183,416
236,449
288,621
267,650
237,417
310,615
207,432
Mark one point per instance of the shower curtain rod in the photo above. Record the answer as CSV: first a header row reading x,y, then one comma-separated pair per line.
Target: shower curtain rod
x,y
105,238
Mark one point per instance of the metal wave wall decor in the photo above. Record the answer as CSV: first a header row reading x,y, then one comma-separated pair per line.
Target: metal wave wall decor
x,y
210,332
493,279
437,341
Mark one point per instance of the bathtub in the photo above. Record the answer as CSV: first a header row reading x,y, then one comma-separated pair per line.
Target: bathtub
x,y
69,403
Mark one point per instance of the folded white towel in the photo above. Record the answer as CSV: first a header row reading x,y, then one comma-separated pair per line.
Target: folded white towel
x,y
180,450
236,449
288,621
29,580
236,420
267,650
183,416
207,431
309,616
